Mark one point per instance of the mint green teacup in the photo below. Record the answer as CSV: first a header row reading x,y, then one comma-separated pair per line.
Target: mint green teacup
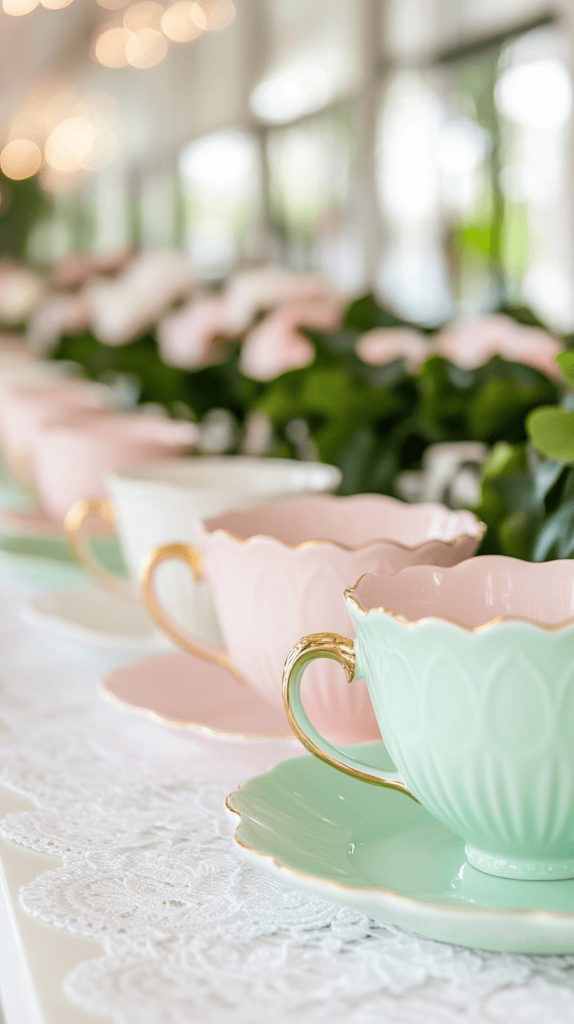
x,y
471,674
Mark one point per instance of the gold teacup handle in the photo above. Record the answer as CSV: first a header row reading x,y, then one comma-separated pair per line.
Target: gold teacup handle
x,y
79,539
193,558
341,649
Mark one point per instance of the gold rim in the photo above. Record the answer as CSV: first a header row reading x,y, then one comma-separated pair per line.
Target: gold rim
x,y
82,510
156,716
78,538
413,623
347,547
410,900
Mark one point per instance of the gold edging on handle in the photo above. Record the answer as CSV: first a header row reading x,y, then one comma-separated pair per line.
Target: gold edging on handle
x,y
78,514
73,523
342,649
193,558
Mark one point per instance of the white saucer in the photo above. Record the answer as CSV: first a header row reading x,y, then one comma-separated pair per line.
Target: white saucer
x,y
96,617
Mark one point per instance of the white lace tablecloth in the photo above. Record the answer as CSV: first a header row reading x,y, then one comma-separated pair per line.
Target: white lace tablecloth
x,y
188,932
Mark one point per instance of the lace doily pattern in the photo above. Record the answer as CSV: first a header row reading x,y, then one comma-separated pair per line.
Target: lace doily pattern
x,y
189,932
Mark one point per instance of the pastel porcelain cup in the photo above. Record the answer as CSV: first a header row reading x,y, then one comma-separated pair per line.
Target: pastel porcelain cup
x,y
161,502
70,460
278,571
471,674
25,410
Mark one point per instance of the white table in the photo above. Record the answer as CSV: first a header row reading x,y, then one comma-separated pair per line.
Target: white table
x,y
192,935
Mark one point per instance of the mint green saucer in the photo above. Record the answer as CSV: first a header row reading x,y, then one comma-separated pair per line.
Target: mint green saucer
x,y
45,558
381,853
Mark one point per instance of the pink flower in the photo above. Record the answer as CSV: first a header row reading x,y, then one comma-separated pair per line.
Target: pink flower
x,y
112,261
472,343
136,299
275,345
56,316
383,344
20,292
73,270
251,291
186,337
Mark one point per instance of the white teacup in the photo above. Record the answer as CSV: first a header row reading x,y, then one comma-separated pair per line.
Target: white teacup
x,y
161,502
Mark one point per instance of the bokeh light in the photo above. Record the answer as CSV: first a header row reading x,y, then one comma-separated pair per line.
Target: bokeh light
x,y
145,48
18,7
218,14
179,24
55,5
198,16
143,15
70,145
113,5
536,94
20,158
109,48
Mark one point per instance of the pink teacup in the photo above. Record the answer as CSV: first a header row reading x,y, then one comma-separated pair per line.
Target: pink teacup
x,y
70,460
23,410
278,571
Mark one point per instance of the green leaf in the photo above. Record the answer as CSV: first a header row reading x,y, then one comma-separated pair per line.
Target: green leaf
x,y
556,538
364,314
516,535
552,432
443,399
503,459
565,361
498,409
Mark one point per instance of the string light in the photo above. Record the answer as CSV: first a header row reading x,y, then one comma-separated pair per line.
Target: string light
x,y
218,14
70,145
143,15
113,5
178,23
145,48
18,7
109,48
20,158
55,5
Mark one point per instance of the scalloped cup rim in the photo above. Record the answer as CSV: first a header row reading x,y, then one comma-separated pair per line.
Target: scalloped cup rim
x,y
467,565
414,509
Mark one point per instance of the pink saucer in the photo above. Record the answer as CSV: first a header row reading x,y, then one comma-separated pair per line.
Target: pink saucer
x,y
29,522
37,523
184,691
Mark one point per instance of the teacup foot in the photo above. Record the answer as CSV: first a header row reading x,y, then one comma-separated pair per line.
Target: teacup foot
x,y
526,869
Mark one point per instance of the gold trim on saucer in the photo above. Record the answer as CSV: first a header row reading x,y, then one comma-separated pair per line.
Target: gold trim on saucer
x,y
408,900
177,723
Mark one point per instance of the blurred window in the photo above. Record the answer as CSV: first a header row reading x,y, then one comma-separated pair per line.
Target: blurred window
x,y
311,57
309,190
159,208
466,198
473,169
222,192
